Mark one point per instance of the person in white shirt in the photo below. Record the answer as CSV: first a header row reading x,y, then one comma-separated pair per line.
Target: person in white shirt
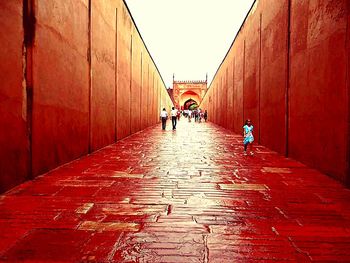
x,y
164,117
174,117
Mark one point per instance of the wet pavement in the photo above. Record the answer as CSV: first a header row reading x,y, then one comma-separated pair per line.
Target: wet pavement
x,y
177,196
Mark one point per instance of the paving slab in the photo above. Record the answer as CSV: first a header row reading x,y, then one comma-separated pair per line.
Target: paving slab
x,y
188,195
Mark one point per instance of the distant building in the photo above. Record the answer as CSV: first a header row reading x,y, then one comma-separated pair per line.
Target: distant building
x,y
186,93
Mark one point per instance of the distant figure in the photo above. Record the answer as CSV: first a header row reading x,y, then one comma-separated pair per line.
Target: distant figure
x,y
205,115
248,136
201,116
178,115
164,117
174,117
189,115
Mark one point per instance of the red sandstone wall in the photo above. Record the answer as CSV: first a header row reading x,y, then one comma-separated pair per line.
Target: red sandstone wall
x,y
94,82
274,79
239,57
13,120
103,82
124,73
347,133
144,89
318,85
136,82
252,70
61,83
150,96
229,88
294,86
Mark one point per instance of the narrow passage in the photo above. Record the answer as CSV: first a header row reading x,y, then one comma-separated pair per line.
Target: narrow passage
x,y
177,196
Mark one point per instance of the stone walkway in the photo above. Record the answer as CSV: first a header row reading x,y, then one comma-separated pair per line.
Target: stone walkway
x,y
177,196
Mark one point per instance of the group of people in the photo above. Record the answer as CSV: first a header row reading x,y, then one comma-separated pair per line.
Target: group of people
x,y
248,137
198,115
175,115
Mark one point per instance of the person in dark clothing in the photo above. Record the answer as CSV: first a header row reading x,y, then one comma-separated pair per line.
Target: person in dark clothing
x,y
174,117
164,117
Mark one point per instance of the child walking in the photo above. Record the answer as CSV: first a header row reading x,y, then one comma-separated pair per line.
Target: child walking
x,y
248,137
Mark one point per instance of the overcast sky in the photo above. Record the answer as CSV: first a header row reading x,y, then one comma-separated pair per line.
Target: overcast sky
x,y
188,37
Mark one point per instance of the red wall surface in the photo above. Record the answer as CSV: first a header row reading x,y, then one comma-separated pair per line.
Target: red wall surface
x,y
124,56
290,68
238,82
230,100
61,83
136,83
274,75
103,81
348,96
252,70
13,121
92,78
318,85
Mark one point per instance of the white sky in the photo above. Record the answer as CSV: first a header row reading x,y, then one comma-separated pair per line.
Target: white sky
x,y
188,37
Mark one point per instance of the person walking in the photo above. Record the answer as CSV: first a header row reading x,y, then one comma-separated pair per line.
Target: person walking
x,y
178,115
164,117
189,115
201,116
205,115
174,117
248,137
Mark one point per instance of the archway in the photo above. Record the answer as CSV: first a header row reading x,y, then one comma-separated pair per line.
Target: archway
x,y
188,98
188,103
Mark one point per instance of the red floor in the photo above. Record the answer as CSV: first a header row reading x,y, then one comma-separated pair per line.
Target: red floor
x,y
183,196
